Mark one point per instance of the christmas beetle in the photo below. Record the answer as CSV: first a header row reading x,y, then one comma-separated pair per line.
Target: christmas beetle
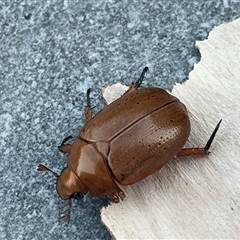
x,y
126,141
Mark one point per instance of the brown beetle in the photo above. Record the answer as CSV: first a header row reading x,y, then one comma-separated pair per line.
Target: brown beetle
x,y
125,142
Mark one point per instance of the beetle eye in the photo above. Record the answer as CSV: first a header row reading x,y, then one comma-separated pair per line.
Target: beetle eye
x,y
77,195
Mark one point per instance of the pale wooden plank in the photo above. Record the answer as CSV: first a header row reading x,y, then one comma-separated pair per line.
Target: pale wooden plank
x,y
195,197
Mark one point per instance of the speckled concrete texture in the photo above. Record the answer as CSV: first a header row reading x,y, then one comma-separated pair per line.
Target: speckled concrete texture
x,y
50,53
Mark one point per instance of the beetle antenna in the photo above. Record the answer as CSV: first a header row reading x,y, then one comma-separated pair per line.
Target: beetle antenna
x,y
42,168
209,142
140,80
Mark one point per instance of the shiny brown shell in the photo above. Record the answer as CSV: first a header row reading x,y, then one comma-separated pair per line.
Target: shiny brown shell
x,y
138,133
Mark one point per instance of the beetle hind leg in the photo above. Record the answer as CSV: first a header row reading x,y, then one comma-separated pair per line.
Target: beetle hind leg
x,y
135,85
200,151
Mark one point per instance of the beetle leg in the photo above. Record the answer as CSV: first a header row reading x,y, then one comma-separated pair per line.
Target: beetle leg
x,y
116,194
88,109
66,217
137,84
114,197
200,151
65,148
121,194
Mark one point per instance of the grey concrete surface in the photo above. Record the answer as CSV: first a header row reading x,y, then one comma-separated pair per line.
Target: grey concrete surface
x,y
50,53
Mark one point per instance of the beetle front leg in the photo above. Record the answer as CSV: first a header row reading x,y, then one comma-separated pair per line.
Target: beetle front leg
x,y
199,151
65,148
66,217
88,109
137,84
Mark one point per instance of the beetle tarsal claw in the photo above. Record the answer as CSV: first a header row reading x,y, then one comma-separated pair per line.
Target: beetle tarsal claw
x,y
66,217
116,199
115,195
121,195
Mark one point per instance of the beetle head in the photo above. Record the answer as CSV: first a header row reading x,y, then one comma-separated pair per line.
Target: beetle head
x,y
68,185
